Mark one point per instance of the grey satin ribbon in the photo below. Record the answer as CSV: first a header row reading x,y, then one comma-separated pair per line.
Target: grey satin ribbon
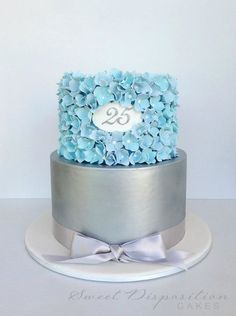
x,y
87,250
171,236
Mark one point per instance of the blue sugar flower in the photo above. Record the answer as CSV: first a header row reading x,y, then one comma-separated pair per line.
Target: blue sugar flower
x,y
156,92
110,159
84,114
64,83
172,82
139,129
113,144
74,85
141,102
100,149
142,86
174,126
153,130
64,152
70,146
80,100
130,142
168,97
67,100
168,112
130,96
156,104
90,100
79,155
118,136
122,157
103,78
75,125
135,157
64,125
117,74
67,137
146,141
114,89
162,83
92,156
173,152
103,95
150,116
71,110
89,131
64,121
161,121
87,85
89,82
101,135
165,137
83,88
148,156
163,154
157,145
85,143
127,81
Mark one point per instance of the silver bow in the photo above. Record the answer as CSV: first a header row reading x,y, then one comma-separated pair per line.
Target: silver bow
x,y
88,250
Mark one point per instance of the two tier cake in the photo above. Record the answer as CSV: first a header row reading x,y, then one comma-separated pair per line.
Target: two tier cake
x,y
118,183
117,176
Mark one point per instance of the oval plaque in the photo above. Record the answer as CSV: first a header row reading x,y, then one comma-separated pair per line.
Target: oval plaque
x,y
114,117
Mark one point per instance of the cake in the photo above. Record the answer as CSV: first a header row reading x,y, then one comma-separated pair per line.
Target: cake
x,y
117,176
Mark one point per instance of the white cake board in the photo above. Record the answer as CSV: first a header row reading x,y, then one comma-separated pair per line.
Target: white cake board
x,y
40,241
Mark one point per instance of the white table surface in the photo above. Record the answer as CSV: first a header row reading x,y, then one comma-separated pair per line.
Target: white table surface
x,y
28,289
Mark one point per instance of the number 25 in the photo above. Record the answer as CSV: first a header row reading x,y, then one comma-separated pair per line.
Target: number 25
x,y
116,117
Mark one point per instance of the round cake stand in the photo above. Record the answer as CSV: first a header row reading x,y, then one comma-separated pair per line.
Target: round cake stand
x,y
40,241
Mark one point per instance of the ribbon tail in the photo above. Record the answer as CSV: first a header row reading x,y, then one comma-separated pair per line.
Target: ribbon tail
x,y
176,259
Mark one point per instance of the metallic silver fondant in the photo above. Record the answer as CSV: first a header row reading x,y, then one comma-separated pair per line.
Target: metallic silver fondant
x,y
118,204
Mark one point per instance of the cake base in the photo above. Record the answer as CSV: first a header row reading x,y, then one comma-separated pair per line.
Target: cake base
x,y
40,241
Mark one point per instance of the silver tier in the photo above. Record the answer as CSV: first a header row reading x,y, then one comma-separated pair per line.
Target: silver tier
x,y
118,204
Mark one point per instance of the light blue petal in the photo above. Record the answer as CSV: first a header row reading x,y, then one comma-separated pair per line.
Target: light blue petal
x,y
74,85
130,142
135,157
146,141
85,143
141,102
103,95
122,157
67,100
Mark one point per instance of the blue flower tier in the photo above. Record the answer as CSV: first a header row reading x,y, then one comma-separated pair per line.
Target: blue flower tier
x,y
117,118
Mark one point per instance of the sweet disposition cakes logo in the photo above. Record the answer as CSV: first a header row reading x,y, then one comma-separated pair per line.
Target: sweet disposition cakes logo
x,y
198,301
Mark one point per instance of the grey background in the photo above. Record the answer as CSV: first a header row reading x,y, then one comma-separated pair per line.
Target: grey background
x,y
192,40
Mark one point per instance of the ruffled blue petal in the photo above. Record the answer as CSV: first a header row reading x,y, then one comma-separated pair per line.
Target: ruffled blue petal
x,y
103,95
130,142
85,143
122,157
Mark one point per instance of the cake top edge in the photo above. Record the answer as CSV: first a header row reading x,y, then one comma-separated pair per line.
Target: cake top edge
x,y
105,76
